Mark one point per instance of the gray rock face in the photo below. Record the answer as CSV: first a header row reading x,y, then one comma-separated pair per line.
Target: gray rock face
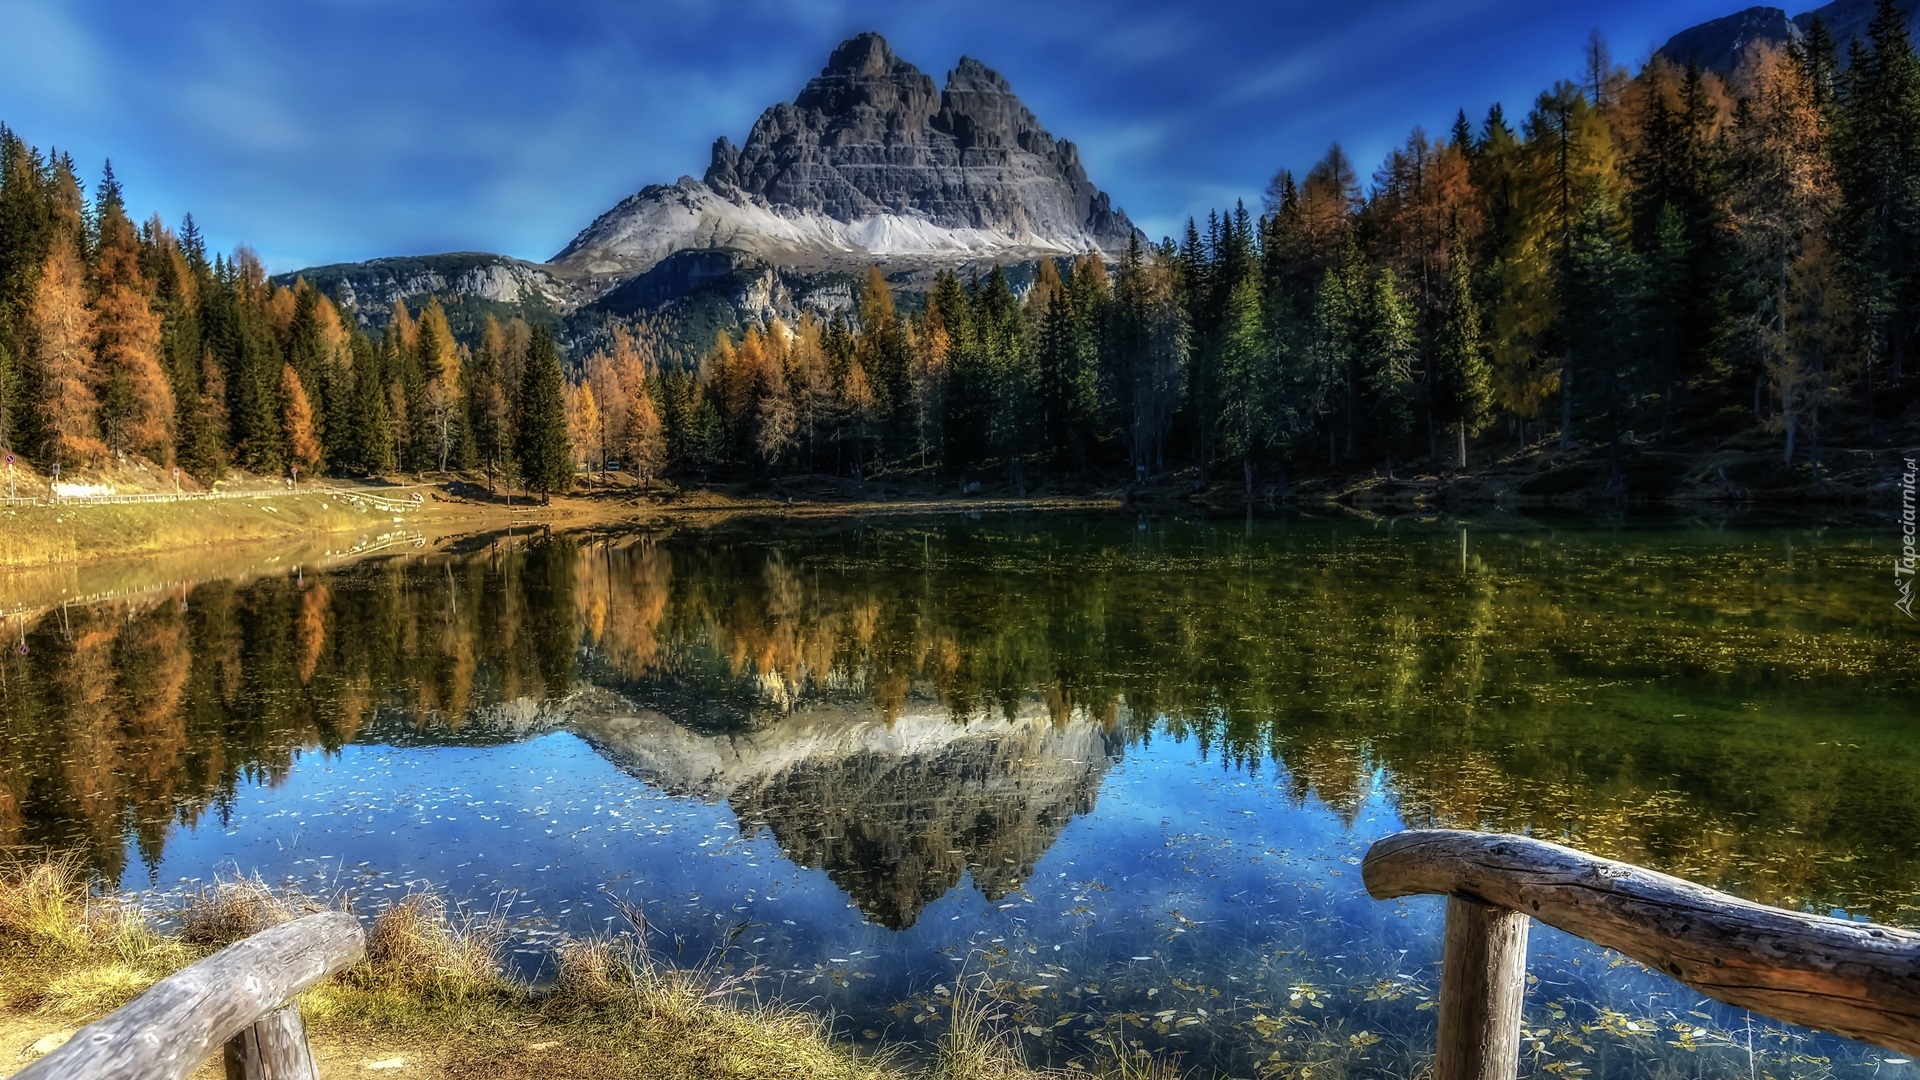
x,y
1718,45
756,290
872,162
872,136
370,288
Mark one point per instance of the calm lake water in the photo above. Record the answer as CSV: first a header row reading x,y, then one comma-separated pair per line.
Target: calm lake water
x,y
1118,772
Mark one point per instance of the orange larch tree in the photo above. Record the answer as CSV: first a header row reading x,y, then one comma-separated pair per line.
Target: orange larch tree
x,y
136,398
63,335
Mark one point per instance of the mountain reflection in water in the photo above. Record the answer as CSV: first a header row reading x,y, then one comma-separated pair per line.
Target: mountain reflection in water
x,y
897,809
918,708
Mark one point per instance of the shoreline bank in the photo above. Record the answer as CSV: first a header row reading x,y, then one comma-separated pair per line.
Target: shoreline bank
x,y
53,553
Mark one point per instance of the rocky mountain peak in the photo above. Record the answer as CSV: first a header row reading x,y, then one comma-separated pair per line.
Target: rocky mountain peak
x,y
866,55
972,75
1719,44
871,137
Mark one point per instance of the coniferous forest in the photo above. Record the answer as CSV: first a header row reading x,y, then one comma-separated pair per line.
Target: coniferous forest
x,y
1665,259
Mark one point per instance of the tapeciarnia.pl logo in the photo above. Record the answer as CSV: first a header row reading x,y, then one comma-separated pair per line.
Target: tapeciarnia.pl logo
x,y
1903,567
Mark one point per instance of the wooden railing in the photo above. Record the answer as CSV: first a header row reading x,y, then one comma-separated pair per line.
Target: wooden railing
x,y
240,998
1860,980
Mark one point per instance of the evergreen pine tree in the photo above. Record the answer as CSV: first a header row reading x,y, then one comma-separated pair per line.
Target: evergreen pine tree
x,y
969,378
9,398
435,402
253,391
1246,376
545,455
1463,381
26,234
1389,351
372,421
1001,332
489,405
1877,150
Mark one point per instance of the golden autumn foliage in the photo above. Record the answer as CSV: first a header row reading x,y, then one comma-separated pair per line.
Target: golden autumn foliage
x,y
64,336
297,416
130,380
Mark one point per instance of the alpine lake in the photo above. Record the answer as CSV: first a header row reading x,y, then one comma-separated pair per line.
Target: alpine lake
x,y
1115,774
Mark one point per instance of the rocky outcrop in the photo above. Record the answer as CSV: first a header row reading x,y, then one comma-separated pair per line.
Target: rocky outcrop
x,y
370,288
1718,45
870,137
756,289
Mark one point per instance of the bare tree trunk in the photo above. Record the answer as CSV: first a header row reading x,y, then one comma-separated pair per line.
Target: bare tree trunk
x,y
1461,428
1566,404
1789,413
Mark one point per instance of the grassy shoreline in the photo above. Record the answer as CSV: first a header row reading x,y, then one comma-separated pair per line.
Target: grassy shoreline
x,y
433,998
66,553
37,537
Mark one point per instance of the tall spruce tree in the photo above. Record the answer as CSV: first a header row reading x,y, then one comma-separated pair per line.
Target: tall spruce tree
x,y
373,450
545,455
1246,376
1877,149
9,398
1389,353
1463,381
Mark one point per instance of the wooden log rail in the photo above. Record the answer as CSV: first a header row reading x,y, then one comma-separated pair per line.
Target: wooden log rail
x,y
1860,980
240,998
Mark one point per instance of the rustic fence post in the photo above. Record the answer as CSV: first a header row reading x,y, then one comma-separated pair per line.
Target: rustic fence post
x,y
240,997
1857,979
274,1048
1483,981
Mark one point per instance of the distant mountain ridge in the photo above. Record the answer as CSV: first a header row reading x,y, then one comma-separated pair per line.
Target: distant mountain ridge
x,y
870,163
1718,44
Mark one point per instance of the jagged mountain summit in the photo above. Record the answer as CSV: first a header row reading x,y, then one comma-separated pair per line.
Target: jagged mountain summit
x,y
1717,45
870,163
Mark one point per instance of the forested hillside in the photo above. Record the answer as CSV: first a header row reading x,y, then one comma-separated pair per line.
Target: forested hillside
x,y
1666,259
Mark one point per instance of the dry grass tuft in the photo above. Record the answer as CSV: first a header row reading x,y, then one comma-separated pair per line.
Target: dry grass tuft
x,y
240,908
1125,1064
44,904
592,973
420,947
75,953
972,1048
51,907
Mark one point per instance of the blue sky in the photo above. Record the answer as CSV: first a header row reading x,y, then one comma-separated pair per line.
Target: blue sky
x,y
332,130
